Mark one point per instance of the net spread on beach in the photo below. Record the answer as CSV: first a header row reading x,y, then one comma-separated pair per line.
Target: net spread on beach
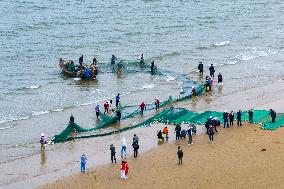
x,y
171,116
166,116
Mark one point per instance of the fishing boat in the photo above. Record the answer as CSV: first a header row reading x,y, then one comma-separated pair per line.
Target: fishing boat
x,y
69,69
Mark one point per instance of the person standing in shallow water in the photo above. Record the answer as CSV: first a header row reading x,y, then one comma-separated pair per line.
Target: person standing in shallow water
x,y
117,100
212,71
97,111
142,107
180,155
200,68
220,78
72,119
157,104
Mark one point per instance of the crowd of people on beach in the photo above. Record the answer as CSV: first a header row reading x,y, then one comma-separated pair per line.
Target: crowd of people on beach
x,y
211,123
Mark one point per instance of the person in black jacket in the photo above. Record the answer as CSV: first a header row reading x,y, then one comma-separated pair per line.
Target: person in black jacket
x,y
180,155
178,130
226,119
239,118
112,153
200,68
272,113
250,114
211,70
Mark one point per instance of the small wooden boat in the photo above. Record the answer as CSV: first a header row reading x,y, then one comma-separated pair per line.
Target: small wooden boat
x,y
69,69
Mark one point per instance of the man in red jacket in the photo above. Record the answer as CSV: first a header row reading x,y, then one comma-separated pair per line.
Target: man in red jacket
x,y
142,107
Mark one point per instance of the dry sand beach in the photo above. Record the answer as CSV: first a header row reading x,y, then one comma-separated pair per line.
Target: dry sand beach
x,y
241,157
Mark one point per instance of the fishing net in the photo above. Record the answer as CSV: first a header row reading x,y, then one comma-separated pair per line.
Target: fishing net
x,y
173,116
167,116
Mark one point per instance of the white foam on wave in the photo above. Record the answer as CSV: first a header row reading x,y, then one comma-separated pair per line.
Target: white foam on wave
x,y
222,43
254,53
148,86
77,79
40,113
33,87
170,78
58,110
11,118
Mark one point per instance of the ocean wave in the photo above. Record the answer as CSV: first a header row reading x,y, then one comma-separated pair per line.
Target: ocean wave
x,y
10,119
222,43
58,110
254,53
33,87
148,86
169,78
40,113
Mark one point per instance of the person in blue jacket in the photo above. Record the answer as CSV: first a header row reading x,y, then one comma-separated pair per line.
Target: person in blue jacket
x,y
83,163
117,100
87,73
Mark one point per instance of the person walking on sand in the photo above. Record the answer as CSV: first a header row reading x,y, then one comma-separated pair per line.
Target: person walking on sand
x,y
126,170
272,113
211,70
112,153
83,163
166,133
180,155
239,118
211,132
231,117
189,133
135,145
122,170
123,148
226,118
250,115
97,111
178,130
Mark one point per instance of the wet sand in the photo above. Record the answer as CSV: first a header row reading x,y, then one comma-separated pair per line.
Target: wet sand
x,y
240,157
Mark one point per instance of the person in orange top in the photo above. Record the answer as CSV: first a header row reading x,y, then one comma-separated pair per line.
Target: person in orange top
x,y
166,132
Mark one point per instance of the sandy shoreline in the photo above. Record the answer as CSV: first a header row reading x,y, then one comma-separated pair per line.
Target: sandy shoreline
x,y
241,157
